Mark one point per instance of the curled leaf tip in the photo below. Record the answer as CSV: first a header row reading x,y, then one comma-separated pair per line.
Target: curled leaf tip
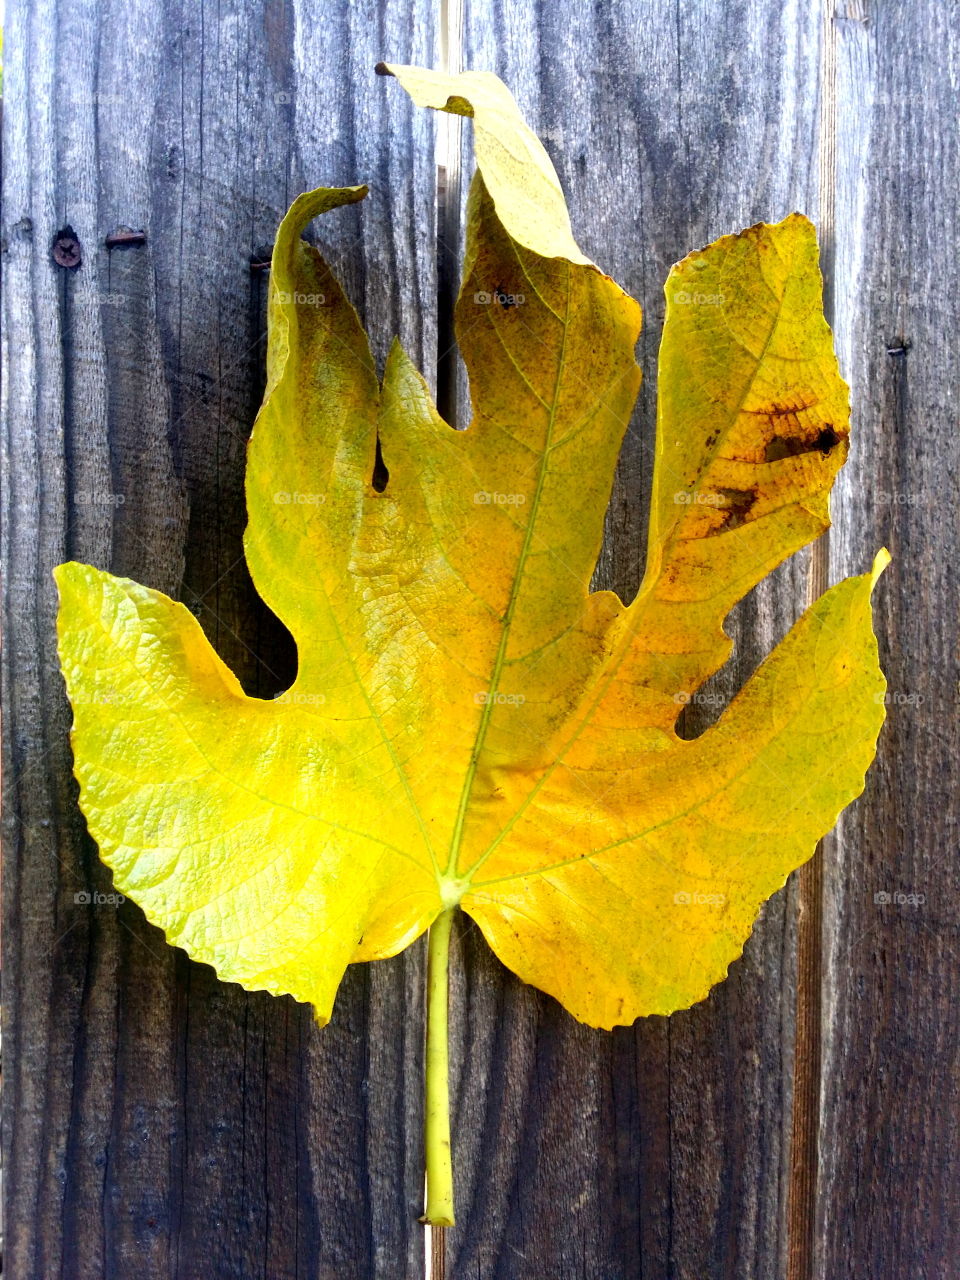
x,y
514,164
880,562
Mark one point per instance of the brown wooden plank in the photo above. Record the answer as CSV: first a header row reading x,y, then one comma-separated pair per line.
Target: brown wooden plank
x,y
158,1122
889,1201
660,1150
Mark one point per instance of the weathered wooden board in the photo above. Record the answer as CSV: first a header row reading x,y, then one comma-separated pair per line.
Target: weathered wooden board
x,y
890,1136
662,1150
800,1123
157,1122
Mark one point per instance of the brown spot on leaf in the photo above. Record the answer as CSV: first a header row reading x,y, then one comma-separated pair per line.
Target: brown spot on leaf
x,y
738,503
783,447
779,446
827,439
789,436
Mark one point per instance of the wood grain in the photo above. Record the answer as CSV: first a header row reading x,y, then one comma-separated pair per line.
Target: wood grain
x,y
891,1093
158,1122
661,1150
803,1121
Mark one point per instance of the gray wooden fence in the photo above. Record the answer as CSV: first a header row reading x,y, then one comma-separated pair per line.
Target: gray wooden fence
x,y
802,1123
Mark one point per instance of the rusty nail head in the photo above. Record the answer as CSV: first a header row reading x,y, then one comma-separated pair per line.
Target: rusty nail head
x,y
65,249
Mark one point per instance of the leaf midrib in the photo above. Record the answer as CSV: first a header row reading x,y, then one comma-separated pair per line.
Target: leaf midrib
x,y
500,659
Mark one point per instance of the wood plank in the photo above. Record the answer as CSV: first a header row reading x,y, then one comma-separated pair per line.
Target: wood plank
x,y
889,1201
158,1122
660,1150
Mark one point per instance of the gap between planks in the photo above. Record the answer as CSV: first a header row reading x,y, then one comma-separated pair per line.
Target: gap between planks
x,y
808,1045
449,186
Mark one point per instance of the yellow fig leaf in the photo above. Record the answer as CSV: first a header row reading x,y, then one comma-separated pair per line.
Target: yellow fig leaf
x,y
470,726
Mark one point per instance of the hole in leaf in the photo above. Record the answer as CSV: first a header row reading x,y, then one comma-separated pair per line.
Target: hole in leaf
x,y
827,439
792,446
380,473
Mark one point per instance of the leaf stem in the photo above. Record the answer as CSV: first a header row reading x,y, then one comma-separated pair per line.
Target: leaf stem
x,y
439,1210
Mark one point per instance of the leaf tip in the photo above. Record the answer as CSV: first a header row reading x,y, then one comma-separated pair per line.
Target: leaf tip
x,y
798,219
880,562
71,575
